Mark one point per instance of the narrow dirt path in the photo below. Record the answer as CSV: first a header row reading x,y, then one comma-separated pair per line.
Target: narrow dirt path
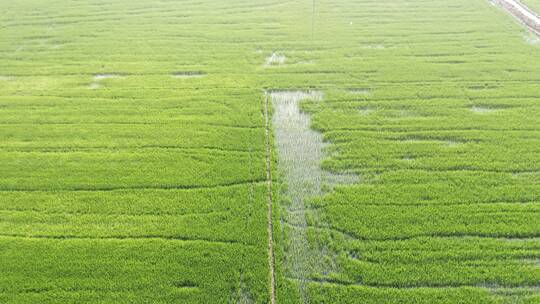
x,y
271,259
521,12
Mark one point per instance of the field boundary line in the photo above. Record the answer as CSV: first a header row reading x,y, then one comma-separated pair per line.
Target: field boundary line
x,y
271,258
142,187
124,238
394,286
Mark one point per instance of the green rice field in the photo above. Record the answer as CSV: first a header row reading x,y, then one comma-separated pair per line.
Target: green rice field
x,y
533,5
250,151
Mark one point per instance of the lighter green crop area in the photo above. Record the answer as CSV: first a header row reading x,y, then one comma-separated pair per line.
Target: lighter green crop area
x,y
133,152
532,4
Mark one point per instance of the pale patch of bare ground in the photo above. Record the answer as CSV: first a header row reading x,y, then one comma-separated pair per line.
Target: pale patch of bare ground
x,y
300,153
365,111
373,46
511,294
275,59
188,74
522,13
99,77
6,78
452,143
482,110
306,62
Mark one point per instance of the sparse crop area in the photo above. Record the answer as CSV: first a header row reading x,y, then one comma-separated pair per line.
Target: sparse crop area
x,y
268,152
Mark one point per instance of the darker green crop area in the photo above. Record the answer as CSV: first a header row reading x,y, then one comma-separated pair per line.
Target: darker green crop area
x,y
122,182
133,151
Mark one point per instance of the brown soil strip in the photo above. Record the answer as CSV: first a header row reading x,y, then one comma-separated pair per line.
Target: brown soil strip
x,y
521,12
271,258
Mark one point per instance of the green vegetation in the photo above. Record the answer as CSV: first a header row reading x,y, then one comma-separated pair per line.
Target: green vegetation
x,y
532,4
142,187
150,186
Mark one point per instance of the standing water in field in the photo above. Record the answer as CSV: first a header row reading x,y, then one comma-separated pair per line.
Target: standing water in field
x,y
99,77
275,59
301,151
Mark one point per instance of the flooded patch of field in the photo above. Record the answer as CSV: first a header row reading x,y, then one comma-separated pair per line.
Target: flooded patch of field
x,y
375,46
99,77
482,110
301,151
275,59
364,111
408,159
452,143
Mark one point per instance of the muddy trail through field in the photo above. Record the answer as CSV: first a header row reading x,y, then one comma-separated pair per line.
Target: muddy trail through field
x,y
522,13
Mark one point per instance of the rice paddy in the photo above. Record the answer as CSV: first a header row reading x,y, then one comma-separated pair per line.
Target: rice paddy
x,y
534,5
268,152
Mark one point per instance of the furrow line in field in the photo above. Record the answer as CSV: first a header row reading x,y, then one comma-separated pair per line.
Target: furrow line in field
x,y
361,99
429,286
301,152
172,123
434,204
124,238
469,261
398,129
352,236
192,150
164,187
78,289
443,170
115,214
